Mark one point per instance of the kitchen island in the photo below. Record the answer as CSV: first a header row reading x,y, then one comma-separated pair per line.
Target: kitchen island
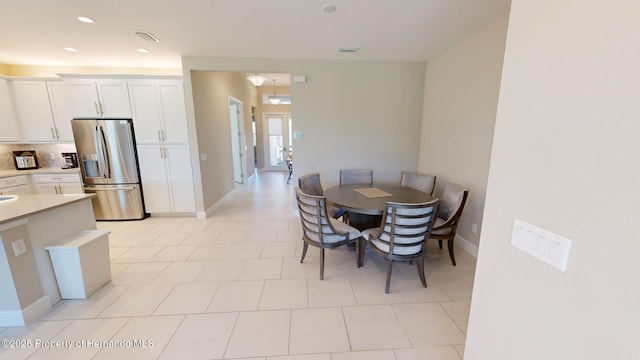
x,y
27,224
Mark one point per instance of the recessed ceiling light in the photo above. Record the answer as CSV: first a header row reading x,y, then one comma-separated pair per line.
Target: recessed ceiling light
x,y
348,49
85,19
70,49
145,51
328,8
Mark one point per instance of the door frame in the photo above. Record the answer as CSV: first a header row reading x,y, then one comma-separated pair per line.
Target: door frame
x,y
239,163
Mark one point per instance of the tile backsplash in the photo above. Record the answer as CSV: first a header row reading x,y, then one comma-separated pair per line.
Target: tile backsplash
x,y
43,152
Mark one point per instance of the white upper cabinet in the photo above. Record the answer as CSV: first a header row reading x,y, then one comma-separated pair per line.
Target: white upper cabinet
x,y
43,110
9,130
98,98
159,114
61,109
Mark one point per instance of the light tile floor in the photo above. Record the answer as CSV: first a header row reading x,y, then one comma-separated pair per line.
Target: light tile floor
x,y
232,286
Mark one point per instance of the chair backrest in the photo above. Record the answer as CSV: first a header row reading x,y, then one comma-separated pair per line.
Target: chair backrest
x,y
316,224
405,227
310,184
452,201
356,176
423,182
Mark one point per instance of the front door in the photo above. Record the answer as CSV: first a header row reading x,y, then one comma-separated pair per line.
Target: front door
x,y
277,140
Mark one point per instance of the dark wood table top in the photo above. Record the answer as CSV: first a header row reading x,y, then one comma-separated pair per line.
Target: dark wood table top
x,y
347,198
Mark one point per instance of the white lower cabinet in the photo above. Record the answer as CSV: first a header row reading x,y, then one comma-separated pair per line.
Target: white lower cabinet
x,y
57,183
15,185
167,180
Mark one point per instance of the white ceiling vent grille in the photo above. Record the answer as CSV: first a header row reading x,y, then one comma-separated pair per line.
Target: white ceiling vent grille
x,y
146,36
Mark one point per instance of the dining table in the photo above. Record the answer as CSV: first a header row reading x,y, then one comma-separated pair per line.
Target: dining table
x,y
365,203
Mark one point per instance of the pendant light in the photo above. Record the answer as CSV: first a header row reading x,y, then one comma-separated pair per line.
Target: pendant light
x,y
274,100
256,79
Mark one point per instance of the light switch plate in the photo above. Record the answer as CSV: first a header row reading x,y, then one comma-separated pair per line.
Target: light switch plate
x,y
19,247
550,248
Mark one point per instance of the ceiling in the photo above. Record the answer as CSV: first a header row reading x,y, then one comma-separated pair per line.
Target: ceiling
x,y
34,32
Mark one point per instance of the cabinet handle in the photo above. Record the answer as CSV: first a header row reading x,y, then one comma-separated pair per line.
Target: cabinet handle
x,y
159,136
53,133
161,154
57,134
164,135
97,109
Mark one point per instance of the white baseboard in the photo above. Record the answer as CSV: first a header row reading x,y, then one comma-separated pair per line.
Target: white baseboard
x,y
213,208
31,313
466,245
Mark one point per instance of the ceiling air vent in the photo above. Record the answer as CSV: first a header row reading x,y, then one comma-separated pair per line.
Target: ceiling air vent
x,y
146,36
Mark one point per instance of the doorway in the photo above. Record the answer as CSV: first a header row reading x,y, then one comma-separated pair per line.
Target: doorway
x,y
238,146
277,141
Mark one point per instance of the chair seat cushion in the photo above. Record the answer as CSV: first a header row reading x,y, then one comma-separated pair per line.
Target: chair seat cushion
x,y
384,245
438,223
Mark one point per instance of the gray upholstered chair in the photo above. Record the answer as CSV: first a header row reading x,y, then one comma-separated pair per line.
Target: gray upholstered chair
x,y
356,176
321,230
423,182
452,202
402,235
310,184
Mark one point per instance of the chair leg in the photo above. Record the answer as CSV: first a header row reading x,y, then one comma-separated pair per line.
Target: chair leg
x,y
440,244
321,263
358,246
389,267
361,245
420,264
453,258
304,251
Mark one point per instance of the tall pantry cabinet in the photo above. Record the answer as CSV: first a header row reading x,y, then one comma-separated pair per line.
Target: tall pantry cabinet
x,y
160,125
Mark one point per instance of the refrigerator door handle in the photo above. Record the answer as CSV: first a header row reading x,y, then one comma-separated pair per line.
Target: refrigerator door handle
x,y
105,153
126,188
98,144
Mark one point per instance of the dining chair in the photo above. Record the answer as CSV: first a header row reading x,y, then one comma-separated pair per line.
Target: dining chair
x,y
452,201
423,182
321,230
401,236
356,176
310,184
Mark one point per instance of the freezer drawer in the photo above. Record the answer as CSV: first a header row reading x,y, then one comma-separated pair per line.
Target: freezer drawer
x,y
117,202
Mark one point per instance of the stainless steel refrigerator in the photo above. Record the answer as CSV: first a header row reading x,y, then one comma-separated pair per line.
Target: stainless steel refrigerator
x,y
109,166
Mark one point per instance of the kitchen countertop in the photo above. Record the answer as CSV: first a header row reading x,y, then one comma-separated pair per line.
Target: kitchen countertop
x,y
27,205
45,170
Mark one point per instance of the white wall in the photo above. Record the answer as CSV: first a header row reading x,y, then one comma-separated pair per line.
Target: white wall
x,y
352,114
460,104
565,158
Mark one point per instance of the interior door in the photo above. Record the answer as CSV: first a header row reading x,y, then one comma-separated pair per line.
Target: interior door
x,y
277,140
237,136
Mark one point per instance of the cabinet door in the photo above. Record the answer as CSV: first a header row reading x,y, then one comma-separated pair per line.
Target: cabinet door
x,y
146,111
70,188
16,190
46,188
153,174
114,99
174,113
61,108
180,178
34,110
83,96
9,130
